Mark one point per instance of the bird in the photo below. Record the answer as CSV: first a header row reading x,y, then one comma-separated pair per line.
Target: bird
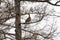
x,y
27,20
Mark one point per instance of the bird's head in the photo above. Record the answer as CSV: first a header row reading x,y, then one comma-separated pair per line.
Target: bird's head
x,y
29,14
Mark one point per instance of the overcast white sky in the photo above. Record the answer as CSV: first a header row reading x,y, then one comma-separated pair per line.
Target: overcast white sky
x,y
43,22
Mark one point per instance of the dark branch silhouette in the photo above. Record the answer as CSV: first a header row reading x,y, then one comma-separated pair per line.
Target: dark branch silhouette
x,y
48,1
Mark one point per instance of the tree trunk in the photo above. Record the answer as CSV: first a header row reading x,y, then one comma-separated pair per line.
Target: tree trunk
x,y
18,20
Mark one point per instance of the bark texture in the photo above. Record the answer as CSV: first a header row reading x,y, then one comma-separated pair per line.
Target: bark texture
x,y
17,21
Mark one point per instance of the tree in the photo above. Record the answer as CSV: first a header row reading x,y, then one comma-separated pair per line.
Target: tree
x,y
18,20
39,13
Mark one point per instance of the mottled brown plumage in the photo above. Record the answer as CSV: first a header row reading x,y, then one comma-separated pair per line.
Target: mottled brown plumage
x,y
27,20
